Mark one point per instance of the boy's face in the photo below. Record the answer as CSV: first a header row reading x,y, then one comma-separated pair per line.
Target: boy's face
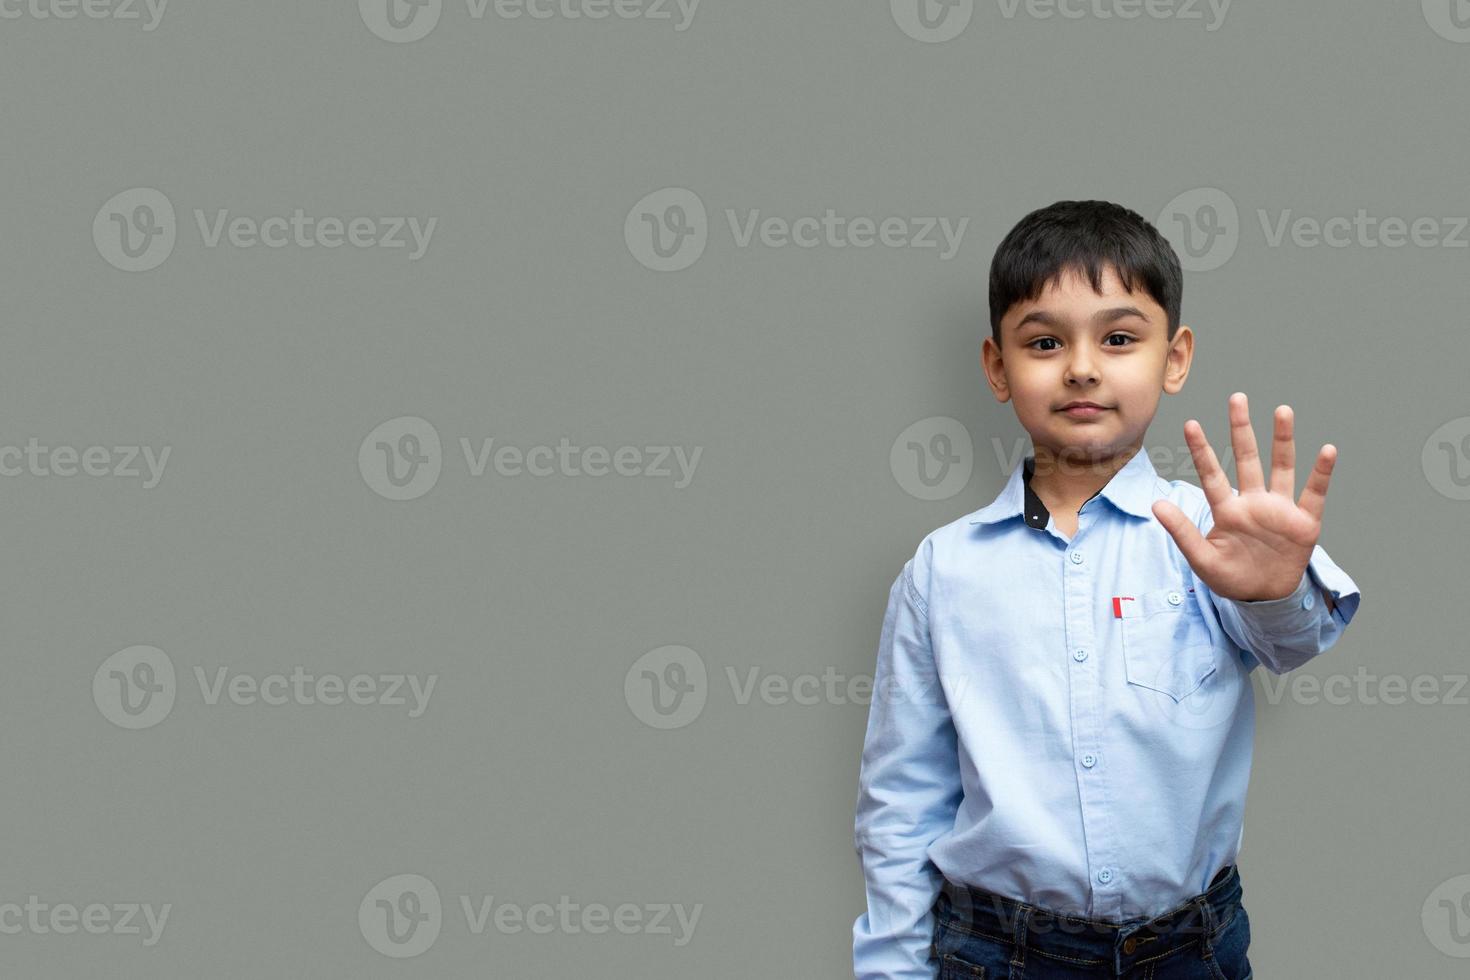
x,y
1073,344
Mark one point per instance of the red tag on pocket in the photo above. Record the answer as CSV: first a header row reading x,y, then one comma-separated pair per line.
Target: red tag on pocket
x,y
1126,606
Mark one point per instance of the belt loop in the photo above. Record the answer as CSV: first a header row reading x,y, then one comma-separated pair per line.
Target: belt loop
x,y
1018,959
1207,923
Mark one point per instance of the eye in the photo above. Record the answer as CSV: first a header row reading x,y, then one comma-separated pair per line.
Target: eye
x,y
1127,339
1042,340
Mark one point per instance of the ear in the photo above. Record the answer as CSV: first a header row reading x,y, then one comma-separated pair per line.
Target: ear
x,y
994,365
1176,364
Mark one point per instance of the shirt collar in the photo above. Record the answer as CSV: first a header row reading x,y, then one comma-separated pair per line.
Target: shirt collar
x,y
1133,489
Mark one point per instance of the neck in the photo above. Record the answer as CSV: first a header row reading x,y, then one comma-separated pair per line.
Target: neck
x,y
1065,479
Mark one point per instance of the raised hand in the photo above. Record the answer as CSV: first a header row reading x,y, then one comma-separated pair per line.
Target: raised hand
x,y
1262,539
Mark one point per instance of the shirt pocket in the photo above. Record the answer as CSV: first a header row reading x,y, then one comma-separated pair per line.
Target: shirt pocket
x,y
1167,645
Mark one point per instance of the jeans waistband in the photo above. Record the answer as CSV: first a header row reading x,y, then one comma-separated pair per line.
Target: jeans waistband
x,y
1121,945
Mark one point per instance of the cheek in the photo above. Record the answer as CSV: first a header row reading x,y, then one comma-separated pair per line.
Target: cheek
x,y
1138,405
1139,388
1031,406
1033,388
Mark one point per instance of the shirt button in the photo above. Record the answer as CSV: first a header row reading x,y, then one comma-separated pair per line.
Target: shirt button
x,y
1089,760
1076,557
1308,601
1175,598
1080,656
1105,875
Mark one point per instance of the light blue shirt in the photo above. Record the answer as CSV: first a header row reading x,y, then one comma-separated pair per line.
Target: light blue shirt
x,y
1064,722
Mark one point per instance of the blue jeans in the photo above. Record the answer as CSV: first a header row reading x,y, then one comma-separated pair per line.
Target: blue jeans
x,y
979,935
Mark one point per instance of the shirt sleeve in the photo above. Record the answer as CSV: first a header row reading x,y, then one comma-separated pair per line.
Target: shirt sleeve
x,y
909,789
1285,633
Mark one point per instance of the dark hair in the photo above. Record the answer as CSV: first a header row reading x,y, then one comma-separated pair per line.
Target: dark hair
x,y
1085,236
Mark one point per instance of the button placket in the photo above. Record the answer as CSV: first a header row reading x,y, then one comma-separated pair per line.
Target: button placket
x,y
1088,710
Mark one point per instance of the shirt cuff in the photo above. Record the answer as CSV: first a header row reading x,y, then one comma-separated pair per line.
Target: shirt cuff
x,y
1305,604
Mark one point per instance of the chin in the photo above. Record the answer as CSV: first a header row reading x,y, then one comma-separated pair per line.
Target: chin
x,y
1087,450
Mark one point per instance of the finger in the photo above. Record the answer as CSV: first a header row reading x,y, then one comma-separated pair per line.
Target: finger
x,y
1192,544
1243,439
1283,453
1314,495
1212,478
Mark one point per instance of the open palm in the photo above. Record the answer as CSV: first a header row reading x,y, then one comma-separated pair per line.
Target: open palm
x,y
1262,539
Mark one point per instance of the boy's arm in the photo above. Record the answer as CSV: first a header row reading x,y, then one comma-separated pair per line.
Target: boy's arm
x,y
909,789
1285,633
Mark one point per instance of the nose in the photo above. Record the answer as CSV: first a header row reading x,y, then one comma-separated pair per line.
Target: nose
x,y
1081,368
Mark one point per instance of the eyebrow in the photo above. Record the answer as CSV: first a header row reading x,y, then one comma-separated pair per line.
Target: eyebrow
x,y
1101,317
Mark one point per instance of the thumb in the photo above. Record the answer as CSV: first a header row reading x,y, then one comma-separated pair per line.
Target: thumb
x,y
1191,543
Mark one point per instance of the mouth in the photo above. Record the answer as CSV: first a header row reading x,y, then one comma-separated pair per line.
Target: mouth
x,y
1082,410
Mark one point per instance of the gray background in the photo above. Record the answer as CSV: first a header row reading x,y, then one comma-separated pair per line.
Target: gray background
x,y
530,319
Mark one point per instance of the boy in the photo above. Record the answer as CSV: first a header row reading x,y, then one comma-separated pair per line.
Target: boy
x,y
1059,744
